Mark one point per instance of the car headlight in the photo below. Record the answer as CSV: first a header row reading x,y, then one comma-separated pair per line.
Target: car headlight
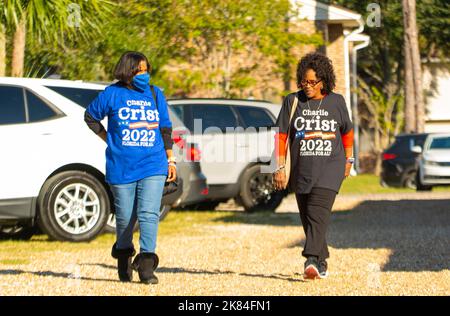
x,y
431,163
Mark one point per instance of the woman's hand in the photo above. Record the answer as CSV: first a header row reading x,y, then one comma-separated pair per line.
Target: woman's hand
x,y
348,167
279,179
172,174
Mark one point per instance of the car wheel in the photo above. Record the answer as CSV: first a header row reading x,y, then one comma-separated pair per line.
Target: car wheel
x,y
420,186
410,180
257,192
17,232
384,184
164,211
111,223
73,206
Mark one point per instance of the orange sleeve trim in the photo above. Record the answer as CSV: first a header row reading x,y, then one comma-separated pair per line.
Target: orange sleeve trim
x,y
280,144
347,139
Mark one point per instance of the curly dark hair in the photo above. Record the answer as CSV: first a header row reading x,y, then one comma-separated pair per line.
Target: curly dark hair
x,y
323,67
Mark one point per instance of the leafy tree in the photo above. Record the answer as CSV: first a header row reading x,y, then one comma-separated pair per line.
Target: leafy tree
x,y
48,22
381,65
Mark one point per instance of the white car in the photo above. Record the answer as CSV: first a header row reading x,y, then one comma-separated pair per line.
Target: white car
x,y
52,166
237,140
434,163
194,184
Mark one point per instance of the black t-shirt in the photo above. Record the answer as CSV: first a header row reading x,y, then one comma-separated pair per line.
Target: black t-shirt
x,y
317,152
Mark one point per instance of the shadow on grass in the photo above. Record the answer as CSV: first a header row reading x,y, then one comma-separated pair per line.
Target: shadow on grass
x,y
207,272
63,275
416,231
261,218
159,270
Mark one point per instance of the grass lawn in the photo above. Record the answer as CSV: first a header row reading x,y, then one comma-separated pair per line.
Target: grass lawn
x,y
370,184
185,223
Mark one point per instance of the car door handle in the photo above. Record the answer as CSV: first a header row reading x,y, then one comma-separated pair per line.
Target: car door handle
x,y
242,145
46,134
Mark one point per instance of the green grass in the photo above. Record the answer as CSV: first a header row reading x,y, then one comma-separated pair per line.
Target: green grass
x,y
179,223
185,223
14,261
370,184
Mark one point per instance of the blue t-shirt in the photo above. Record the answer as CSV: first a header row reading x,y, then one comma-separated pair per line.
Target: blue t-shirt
x,y
135,146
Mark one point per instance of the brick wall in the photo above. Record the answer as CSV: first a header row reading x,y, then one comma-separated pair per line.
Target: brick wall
x,y
335,51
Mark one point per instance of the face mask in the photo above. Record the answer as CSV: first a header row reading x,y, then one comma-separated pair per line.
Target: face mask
x,y
141,81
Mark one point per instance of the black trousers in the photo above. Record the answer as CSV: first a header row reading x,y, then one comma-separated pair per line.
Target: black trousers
x,y
315,212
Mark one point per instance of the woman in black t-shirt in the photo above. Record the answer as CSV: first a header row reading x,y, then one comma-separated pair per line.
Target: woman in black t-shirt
x,y
320,135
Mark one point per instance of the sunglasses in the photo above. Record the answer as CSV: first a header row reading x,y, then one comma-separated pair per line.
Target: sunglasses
x,y
312,83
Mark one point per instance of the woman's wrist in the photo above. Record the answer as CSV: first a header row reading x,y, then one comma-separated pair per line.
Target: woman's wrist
x,y
279,168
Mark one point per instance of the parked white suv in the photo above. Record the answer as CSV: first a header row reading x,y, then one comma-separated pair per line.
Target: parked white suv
x,y
50,162
236,140
434,163
52,166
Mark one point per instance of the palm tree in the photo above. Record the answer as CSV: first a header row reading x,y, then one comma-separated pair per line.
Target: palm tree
x,y
414,102
10,10
55,21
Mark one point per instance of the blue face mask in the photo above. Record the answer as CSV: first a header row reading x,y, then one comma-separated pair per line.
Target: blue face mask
x,y
141,81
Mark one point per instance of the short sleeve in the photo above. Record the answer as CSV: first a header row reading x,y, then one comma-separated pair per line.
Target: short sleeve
x,y
283,117
99,108
346,123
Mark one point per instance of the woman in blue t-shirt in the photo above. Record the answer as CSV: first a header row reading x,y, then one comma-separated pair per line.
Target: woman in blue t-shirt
x,y
139,159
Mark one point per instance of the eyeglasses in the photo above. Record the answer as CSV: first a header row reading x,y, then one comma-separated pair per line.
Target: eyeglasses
x,y
312,83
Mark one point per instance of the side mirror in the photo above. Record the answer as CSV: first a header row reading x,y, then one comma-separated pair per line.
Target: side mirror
x,y
416,149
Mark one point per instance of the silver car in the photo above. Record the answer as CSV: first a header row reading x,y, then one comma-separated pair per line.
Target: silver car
x,y
236,138
434,163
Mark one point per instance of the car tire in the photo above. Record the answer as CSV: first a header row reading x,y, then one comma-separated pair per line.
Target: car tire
x,y
111,223
256,191
17,232
73,206
164,211
410,180
420,186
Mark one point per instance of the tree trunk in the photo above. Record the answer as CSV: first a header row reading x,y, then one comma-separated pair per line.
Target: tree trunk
x,y
287,70
410,109
417,68
18,57
227,69
378,150
2,51
414,102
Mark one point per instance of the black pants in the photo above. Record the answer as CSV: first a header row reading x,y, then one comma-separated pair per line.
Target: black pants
x,y
315,212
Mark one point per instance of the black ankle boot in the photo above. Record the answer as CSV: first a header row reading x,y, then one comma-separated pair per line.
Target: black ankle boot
x,y
124,257
145,264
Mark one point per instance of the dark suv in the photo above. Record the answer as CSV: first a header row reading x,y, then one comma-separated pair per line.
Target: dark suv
x,y
399,162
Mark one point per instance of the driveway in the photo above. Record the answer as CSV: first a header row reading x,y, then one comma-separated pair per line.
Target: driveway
x,y
396,244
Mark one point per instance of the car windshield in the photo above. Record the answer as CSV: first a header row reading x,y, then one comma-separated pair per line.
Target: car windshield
x,y
440,143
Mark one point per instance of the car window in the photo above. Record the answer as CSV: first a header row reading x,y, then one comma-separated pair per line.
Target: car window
x,y
440,143
38,110
12,108
255,117
419,141
401,145
220,116
83,97
178,110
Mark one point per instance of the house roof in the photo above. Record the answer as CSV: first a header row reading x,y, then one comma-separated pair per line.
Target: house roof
x,y
318,11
